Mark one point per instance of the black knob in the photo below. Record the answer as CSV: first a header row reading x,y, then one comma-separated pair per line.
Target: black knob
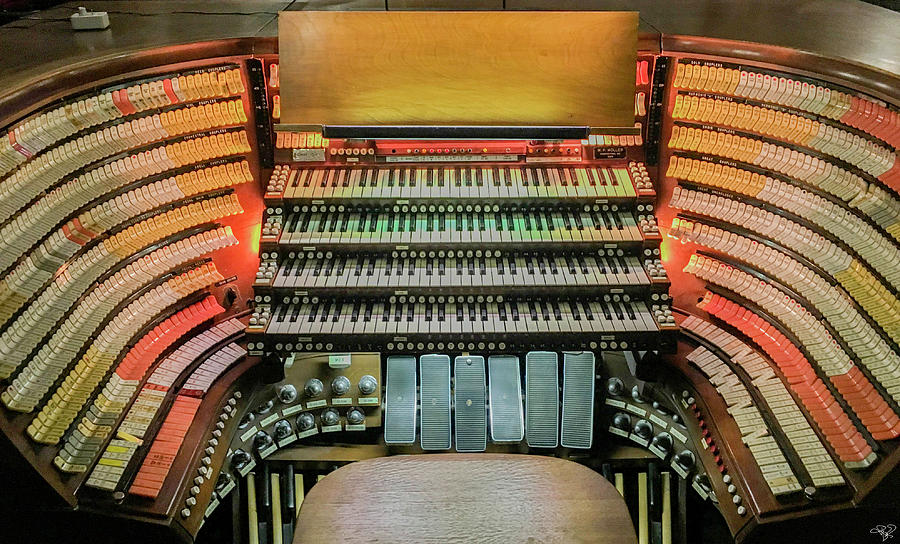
x,y
663,442
622,421
703,481
262,440
314,387
330,417
355,416
230,297
240,458
340,385
306,421
266,407
224,480
247,420
615,386
643,428
367,384
282,429
685,458
636,394
287,393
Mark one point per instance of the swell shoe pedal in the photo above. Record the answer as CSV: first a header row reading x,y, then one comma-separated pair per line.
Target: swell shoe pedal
x,y
434,376
400,401
471,422
542,399
578,400
505,399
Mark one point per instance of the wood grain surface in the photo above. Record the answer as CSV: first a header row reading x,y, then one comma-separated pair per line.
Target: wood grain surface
x,y
458,68
451,498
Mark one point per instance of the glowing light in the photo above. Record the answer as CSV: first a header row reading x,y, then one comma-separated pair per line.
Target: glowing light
x,y
255,234
664,252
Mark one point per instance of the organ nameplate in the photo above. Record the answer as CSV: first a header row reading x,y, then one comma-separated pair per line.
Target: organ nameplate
x,y
677,434
248,433
637,410
618,432
658,420
226,490
308,155
269,420
247,468
339,360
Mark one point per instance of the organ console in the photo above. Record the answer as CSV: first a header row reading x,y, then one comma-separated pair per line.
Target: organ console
x,y
204,311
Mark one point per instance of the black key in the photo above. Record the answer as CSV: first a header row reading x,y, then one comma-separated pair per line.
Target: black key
x,y
605,309
613,265
617,310
587,311
545,311
573,307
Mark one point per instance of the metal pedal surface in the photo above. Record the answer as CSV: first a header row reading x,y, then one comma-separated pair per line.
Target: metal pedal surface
x,y
505,399
578,400
542,399
470,419
434,380
400,400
